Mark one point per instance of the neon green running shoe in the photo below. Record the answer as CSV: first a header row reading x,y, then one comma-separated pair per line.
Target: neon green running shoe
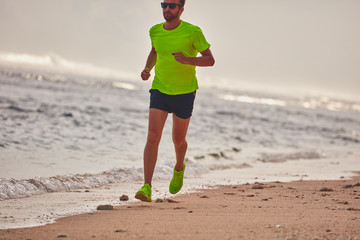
x,y
177,181
144,194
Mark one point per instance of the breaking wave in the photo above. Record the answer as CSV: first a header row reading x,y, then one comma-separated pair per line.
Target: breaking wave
x,y
54,63
13,188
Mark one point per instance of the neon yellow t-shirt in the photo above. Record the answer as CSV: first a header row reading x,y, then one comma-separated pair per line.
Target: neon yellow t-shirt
x,y
172,77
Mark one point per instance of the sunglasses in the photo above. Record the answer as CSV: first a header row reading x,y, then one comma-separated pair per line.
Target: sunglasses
x,y
171,5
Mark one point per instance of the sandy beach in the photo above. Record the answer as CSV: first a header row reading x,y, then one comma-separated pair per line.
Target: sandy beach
x,y
276,210
273,147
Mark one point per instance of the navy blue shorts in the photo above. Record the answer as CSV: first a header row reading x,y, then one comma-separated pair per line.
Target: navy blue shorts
x,y
181,105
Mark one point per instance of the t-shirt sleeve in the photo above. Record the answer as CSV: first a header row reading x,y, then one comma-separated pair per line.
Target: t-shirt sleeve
x,y
150,35
199,41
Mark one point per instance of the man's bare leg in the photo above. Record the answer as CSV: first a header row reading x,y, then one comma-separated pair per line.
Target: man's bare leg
x,y
157,119
180,127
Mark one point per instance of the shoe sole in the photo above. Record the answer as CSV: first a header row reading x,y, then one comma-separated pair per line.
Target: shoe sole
x,y
175,192
142,197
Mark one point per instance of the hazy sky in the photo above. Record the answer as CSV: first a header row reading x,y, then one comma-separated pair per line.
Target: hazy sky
x,y
305,45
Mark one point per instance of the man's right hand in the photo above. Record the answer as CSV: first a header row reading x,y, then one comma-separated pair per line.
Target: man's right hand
x,y
145,74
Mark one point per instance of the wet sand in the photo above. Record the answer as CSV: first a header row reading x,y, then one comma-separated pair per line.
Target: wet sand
x,y
276,210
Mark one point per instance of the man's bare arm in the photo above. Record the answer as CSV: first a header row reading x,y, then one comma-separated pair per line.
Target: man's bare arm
x,y
150,63
205,60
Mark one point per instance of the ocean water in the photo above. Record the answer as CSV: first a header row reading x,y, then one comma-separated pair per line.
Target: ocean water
x,y
66,126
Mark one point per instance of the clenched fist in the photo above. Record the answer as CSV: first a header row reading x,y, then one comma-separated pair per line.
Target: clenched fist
x,y
145,74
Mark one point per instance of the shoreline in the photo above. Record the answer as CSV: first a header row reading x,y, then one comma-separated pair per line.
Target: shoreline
x,y
43,209
308,209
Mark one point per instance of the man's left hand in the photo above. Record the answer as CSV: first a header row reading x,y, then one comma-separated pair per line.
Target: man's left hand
x,y
180,57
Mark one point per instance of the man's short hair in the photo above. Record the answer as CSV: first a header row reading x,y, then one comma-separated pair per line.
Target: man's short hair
x,y
182,2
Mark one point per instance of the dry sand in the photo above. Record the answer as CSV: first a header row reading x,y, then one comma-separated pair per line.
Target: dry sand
x,y
295,210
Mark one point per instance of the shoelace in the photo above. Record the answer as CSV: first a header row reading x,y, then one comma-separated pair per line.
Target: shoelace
x,y
177,178
145,189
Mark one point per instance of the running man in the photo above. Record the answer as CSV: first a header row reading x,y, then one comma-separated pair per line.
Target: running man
x,y
175,46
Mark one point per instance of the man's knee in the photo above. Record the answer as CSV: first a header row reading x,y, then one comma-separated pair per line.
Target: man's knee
x,y
153,138
179,141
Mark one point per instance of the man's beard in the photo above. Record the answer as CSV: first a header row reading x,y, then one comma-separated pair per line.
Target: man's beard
x,y
169,17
